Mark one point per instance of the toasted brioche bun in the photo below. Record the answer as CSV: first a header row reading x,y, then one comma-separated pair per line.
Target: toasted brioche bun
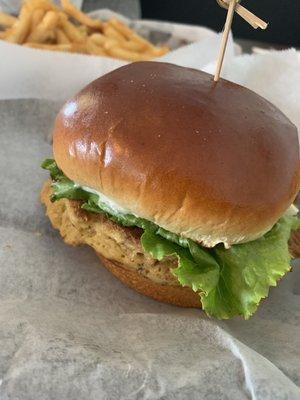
x,y
213,162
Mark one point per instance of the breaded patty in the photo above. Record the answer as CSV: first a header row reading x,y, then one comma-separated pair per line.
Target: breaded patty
x,y
110,240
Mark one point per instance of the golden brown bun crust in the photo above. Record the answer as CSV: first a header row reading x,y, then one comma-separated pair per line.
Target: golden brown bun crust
x,y
211,161
176,295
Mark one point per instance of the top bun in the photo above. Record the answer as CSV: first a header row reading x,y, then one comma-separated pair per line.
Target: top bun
x,y
210,161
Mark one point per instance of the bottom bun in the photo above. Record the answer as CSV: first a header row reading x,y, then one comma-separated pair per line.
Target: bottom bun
x,y
176,295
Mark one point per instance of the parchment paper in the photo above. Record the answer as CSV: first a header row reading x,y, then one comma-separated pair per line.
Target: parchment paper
x,y
70,330
32,73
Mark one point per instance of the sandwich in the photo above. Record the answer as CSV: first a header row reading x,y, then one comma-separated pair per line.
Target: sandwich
x,y
183,186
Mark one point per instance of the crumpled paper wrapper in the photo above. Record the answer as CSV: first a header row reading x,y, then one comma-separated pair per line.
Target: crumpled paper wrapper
x,y
68,328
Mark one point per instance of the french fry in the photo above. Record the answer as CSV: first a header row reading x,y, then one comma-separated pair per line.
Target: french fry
x,y
21,27
84,19
43,25
37,17
54,47
3,34
103,41
84,30
133,46
61,37
7,20
128,55
93,49
50,20
98,38
45,5
128,33
40,36
134,37
45,29
121,27
79,48
72,32
143,42
112,33
158,51
110,43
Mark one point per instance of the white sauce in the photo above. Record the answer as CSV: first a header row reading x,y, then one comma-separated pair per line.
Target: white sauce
x,y
107,201
292,210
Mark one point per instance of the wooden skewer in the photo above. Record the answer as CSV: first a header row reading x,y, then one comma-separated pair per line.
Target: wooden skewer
x,y
247,15
253,20
225,35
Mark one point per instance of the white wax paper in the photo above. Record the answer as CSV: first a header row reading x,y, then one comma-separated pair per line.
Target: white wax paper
x,y
274,75
57,76
68,328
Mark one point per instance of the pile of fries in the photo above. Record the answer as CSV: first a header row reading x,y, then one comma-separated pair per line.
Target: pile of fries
x,y
43,25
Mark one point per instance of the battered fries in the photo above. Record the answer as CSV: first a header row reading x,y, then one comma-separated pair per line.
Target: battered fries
x,y
20,29
61,37
56,47
43,25
37,17
44,31
84,19
7,20
71,31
